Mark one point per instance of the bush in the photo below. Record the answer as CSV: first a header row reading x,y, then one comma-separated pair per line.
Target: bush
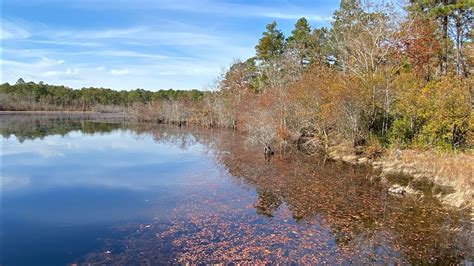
x,y
435,114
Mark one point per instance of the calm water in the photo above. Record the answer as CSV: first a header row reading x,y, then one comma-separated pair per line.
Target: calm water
x,y
83,190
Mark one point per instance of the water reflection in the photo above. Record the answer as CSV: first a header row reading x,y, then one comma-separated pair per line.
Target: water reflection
x,y
267,203
154,194
28,127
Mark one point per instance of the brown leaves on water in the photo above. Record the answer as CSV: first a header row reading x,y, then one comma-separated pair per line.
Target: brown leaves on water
x,y
238,236
294,209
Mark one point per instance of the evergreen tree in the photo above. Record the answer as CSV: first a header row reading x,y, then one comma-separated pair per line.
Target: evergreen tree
x,y
272,43
346,17
319,48
300,40
348,22
20,81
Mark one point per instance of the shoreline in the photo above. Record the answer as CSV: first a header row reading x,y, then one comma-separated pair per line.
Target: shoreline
x,y
441,174
53,112
446,176
88,114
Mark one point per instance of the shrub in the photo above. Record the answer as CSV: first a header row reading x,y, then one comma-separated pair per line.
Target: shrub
x,y
435,114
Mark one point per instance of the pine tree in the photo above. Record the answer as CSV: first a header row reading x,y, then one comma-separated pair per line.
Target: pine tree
x,y
272,43
20,81
300,40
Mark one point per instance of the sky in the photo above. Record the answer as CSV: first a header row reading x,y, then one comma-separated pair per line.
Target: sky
x,y
149,44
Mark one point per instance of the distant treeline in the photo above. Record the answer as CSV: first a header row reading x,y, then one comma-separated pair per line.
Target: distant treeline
x,y
44,97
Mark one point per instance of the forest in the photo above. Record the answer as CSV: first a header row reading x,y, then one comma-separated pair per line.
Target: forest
x,y
29,96
379,76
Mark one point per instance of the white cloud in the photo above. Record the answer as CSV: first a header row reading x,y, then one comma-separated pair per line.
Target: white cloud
x,y
64,73
46,62
119,72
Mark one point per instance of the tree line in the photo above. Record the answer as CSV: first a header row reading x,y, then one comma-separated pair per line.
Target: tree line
x,y
44,97
378,75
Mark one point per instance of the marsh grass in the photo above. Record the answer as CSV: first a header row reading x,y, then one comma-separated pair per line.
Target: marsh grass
x,y
447,171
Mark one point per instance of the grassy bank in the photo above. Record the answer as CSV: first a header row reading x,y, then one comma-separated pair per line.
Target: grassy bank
x,y
450,174
447,175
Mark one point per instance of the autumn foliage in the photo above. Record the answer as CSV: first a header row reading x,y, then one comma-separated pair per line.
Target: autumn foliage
x,y
378,74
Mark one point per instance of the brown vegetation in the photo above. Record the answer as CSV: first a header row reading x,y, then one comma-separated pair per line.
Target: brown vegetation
x,y
374,76
377,79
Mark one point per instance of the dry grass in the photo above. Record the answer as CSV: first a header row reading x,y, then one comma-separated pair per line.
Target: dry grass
x,y
451,173
451,169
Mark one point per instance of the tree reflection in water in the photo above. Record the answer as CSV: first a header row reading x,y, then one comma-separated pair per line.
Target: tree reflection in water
x,y
291,208
267,203
304,196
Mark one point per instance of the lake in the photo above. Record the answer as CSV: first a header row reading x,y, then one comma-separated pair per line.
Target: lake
x,y
86,189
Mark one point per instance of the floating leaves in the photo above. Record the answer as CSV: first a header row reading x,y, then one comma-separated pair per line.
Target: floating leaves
x,y
292,209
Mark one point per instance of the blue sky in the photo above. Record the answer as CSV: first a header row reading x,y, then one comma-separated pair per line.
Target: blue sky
x,y
150,44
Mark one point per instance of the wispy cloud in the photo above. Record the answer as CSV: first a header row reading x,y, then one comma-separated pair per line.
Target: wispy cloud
x,y
294,16
118,59
99,34
134,36
64,43
119,72
46,62
10,30
66,73
273,9
143,43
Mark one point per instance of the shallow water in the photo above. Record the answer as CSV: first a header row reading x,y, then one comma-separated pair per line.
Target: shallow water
x,y
94,190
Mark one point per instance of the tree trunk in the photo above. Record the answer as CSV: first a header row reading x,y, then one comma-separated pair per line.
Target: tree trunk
x,y
443,64
268,150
